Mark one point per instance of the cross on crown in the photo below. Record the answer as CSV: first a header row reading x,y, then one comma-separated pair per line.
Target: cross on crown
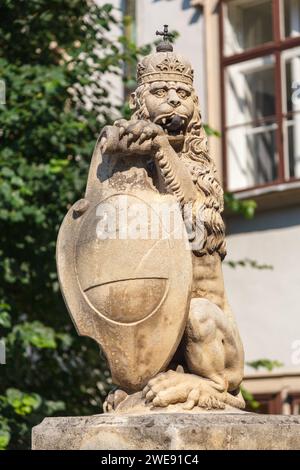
x,y
164,45
165,33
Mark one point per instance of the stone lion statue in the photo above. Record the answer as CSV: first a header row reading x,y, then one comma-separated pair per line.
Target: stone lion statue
x,y
159,311
207,368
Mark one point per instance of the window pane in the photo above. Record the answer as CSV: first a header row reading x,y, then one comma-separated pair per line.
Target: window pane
x,y
248,24
292,134
292,18
291,90
250,91
291,106
251,156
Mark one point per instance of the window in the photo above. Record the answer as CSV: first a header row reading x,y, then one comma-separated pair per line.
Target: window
x,y
273,403
269,403
291,18
260,60
248,24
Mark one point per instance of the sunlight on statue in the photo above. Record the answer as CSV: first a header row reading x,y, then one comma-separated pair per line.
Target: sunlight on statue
x,y
158,310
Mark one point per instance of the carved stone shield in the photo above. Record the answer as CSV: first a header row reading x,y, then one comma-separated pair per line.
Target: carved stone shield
x,y
128,291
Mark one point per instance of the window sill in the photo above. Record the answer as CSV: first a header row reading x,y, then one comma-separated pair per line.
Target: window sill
x,y
272,197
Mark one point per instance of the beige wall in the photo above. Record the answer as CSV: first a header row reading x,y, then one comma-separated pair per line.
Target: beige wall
x,y
212,70
267,302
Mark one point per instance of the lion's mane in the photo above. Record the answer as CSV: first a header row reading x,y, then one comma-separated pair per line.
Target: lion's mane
x,y
202,168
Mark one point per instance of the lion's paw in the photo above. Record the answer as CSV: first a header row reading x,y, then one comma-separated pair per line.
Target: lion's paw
x,y
175,387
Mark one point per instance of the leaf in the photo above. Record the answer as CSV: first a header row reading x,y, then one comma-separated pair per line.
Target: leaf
x,y
246,207
4,433
5,317
52,407
65,339
7,172
58,165
34,334
249,398
210,131
265,364
5,320
23,403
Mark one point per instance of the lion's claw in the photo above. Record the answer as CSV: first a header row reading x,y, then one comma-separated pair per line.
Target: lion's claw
x,y
113,399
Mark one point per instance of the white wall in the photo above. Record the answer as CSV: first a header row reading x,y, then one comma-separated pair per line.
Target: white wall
x,y
186,20
266,303
114,82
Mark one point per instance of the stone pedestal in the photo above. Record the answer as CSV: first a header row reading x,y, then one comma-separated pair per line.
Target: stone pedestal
x,y
169,431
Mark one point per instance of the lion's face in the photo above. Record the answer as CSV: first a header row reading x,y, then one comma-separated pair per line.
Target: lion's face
x,y
170,105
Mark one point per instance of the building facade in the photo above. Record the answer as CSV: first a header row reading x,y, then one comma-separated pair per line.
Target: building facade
x,y
246,56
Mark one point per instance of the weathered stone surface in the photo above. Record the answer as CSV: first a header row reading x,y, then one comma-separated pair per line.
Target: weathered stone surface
x,y
167,431
140,256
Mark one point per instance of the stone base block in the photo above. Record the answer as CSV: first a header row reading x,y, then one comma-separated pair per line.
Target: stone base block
x,y
169,431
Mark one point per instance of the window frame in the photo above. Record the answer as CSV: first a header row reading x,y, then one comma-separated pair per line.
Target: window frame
x,y
275,48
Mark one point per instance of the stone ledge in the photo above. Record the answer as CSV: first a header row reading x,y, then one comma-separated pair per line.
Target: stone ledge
x,y
166,431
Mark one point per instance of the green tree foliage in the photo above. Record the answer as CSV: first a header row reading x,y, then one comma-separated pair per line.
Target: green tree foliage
x,y
53,58
244,207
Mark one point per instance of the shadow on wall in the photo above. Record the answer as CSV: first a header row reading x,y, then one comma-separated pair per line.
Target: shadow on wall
x,y
271,220
186,5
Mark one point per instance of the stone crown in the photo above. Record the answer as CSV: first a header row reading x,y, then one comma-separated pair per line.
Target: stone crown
x,y
164,66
